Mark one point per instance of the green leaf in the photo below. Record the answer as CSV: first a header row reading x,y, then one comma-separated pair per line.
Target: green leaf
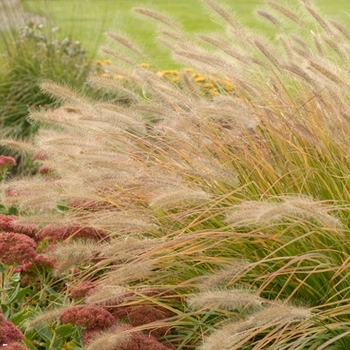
x,y
20,294
16,277
65,330
13,295
29,344
21,316
5,310
44,332
56,345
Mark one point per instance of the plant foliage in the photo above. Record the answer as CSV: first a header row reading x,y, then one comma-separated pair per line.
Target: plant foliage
x,y
194,221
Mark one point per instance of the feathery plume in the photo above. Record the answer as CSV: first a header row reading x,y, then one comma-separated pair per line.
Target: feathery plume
x,y
45,317
264,213
129,272
125,41
227,336
227,299
340,28
280,314
319,67
222,43
285,11
230,272
265,48
300,41
223,12
127,248
122,222
318,45
159,17
20,147
271,18
111,84
108,340
62,93
69,255
107,295
172,198
190,87
336,48
119,56
319,18
300,72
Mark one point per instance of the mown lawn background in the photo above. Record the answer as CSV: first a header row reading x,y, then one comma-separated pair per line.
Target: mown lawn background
x,y
87,20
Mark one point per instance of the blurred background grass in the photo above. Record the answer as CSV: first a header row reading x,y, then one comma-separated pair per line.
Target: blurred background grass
x,y
87,20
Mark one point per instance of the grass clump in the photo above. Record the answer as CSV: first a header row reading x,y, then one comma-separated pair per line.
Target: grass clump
x,y
32,54
217,222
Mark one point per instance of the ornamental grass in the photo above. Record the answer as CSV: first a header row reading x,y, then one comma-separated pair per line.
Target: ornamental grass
x,y
210,222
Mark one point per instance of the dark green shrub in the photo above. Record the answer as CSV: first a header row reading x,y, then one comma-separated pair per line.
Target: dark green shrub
x,y
36,53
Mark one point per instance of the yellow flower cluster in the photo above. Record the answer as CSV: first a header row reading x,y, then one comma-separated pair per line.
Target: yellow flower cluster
x,y
209,85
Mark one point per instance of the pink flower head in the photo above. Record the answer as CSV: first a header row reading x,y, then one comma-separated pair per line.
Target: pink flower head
x,y
9,332
7,222
82,289
45,261
30,230
143,314
7,161
59,233
40,155
89,316
45,170
16,248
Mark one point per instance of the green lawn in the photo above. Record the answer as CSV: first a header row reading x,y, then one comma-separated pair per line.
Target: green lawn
x,y
87,22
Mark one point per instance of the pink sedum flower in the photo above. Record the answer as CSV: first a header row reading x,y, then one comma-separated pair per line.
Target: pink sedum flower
x,y
9,333
45,170
143,314
40,155
30,230
7,222
55,233
7,162
16,249
82,289
90,317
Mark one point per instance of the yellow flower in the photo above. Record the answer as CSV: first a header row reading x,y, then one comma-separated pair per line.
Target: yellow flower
x,y
208,86
213,92
171,72
146,64
175,79
228,86
199,79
